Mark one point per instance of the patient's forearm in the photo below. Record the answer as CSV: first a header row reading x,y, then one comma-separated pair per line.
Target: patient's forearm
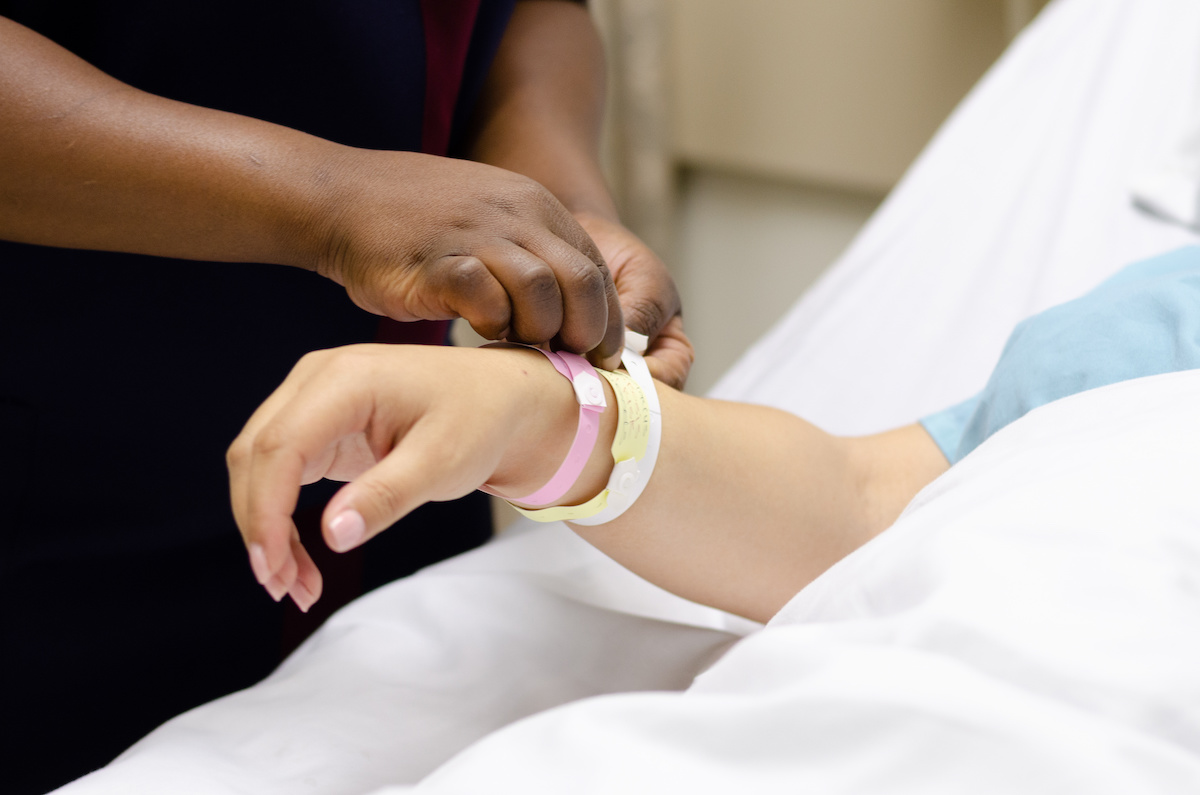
x,y
748,504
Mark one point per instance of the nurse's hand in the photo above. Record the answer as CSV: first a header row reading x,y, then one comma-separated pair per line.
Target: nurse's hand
x,y
410,236
418,237
404,425
649,299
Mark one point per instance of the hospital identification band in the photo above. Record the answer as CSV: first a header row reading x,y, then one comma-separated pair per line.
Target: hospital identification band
x,y
629,477
634,448
629,442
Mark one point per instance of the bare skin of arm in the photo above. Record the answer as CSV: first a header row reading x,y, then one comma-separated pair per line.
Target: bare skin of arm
x,y
541,115
746,505
89,162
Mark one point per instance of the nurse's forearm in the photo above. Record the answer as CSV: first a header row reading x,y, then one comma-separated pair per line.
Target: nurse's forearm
x,y
543,104
89,162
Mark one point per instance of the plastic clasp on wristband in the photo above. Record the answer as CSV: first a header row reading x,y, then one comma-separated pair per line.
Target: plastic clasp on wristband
x,y
636,342
588,391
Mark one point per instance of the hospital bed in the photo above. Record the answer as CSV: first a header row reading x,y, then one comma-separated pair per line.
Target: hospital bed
x,y
1030,624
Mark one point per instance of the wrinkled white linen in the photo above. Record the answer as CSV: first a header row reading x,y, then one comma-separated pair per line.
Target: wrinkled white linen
x,y
401,679
958,671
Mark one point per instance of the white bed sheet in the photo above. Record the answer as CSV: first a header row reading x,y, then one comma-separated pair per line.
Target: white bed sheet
x,y
1020,202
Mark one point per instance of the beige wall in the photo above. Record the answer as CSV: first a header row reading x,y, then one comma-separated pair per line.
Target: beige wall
x,y
831,93
835,92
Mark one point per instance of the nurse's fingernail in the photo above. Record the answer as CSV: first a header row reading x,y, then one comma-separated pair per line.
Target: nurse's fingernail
x,y
347,530
259,565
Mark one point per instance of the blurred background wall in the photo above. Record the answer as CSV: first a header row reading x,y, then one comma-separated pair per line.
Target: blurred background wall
x,y
748,141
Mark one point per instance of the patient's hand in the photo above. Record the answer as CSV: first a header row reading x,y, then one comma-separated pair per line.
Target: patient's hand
x,y
405,425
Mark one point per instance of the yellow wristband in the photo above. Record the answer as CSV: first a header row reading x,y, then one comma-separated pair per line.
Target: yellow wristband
x,y
633,417
629,443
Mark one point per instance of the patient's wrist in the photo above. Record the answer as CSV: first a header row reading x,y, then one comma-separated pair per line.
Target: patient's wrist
x,y
637,429
548,426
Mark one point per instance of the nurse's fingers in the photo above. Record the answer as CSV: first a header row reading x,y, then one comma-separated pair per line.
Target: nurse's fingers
x,y
590,309
464,286
533,291
670,355
546,291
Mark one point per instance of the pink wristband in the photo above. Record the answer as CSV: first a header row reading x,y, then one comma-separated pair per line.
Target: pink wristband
x,y
590,393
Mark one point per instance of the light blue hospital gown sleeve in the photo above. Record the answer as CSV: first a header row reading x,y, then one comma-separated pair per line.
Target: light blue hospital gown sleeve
x,y
1143,321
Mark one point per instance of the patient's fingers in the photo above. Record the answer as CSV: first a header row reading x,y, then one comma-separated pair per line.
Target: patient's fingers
x,y
419,469
297,577
285,577
263,572
289,441
301,375
306,588
268,482
404,425
266,547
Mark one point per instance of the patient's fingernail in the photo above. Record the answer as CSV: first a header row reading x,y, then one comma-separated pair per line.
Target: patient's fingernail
x,y
259,565
301,596
347,530
276,589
